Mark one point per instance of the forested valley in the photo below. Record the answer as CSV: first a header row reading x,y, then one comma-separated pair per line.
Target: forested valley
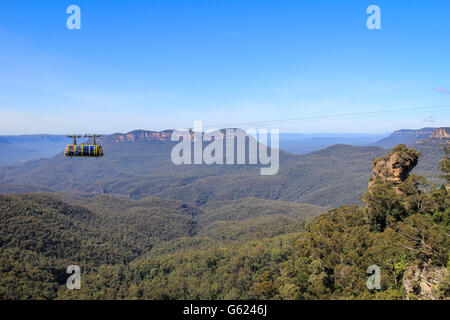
x,y
247,248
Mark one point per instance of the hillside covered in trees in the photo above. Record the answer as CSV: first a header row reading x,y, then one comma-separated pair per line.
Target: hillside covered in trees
x,y
137,166
247,248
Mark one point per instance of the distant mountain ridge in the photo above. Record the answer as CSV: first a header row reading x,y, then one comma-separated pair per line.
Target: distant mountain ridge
x,y
21,148
137,135
420,136
438,136
137,165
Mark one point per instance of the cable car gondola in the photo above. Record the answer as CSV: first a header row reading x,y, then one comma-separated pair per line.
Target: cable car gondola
x,y
85,149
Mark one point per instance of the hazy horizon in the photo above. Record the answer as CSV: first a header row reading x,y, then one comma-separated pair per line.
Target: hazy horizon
x,y
282,133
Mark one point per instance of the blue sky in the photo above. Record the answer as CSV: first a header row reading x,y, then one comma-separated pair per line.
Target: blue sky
x,y
163,64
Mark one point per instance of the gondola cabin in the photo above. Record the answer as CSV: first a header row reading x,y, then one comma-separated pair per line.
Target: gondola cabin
x,y
84,149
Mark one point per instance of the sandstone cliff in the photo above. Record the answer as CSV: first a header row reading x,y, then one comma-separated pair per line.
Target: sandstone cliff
x,y
395,166
425,282
440,136
426,136
145,135
137,135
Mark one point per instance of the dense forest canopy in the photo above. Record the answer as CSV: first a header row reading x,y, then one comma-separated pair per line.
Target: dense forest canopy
x,y
156,248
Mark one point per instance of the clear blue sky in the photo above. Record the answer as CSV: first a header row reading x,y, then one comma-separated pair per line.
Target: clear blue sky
x,y
163,64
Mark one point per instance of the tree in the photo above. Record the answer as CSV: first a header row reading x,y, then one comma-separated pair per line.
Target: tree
x,y
445,164
384,204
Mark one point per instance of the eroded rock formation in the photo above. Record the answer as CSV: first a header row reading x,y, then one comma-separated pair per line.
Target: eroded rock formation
x,y
423,282
395,166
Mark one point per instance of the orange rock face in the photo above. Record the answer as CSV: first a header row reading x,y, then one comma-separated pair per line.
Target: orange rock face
x,y
439,136
394,167
441,133
143,135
